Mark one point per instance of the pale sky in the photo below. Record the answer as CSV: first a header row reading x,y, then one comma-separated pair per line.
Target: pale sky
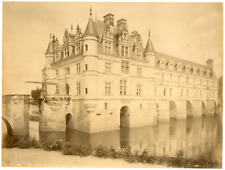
x,y
192,31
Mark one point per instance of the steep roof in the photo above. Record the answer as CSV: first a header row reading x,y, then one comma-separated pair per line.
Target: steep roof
x,y
149,46
90,29
178,60
49,49
99,27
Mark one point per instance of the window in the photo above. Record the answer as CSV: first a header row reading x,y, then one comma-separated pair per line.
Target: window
x,y
179,78
107,88
78,88
171,77
139,72
126,51
213,83
67,70
57,89
123,87
61,55
197,93
86,67
181,92
86,47
138,90
140,105
57,72
67,89
78,68
86,90
122,51
107,47
187,93
170,91
73,49
106,105
200,81
201,93
125,67
107,67
139,54
187,79
164,92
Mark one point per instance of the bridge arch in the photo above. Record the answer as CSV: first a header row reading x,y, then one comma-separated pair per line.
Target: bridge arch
x,y
124,116
189,109
8,126
172,110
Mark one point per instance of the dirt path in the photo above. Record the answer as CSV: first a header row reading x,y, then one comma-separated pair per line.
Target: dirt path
x,y
39,158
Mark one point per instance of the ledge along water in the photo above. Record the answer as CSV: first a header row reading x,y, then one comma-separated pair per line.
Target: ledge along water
x,y
195,137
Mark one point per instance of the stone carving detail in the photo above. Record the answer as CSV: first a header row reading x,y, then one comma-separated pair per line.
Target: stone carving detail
x,y
17,100
55,103
90,107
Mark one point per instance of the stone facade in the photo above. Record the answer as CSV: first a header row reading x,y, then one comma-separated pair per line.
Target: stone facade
x,y
113,81
15,114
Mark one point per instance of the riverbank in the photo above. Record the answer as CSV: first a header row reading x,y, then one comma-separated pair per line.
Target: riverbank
x,y
15,157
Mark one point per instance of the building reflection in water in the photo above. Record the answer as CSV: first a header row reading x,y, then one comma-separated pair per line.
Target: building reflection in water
x,y
194,136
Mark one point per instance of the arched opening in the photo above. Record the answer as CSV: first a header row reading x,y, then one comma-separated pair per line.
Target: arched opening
x,y
68,118
172,110
8,126
189,109
124,116
203,109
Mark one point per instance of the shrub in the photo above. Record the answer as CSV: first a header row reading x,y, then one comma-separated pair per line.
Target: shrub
x,y
23,143
9,141
74,149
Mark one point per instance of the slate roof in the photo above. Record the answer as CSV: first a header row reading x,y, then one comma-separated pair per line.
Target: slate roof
x,y
49,49
90,29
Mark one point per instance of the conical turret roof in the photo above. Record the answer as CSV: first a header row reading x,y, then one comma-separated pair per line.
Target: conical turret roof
x,y
49,49
149,46
90,29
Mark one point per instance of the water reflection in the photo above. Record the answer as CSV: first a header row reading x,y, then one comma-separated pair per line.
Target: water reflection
x,y
194,136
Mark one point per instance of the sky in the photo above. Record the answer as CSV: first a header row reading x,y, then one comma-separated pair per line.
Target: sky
x,y
191,31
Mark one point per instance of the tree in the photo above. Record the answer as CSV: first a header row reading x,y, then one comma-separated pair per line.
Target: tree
x,y
36,94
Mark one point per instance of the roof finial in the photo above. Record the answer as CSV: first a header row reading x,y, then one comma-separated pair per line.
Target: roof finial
x,y
149,34
90,11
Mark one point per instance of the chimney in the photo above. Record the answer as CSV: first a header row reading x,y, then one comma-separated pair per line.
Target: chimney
x,y
209,64
109,19
122,24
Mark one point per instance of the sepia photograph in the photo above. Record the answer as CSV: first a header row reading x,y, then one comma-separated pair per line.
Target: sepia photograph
x,y
112,84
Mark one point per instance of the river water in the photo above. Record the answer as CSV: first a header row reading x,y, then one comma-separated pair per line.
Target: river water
x,y
195,137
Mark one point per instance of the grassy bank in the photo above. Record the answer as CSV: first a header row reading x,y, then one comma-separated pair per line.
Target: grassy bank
x,y
126,154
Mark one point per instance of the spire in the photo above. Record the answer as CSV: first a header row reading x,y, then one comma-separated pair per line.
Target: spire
x,y
90,11
50,47
149,46
90,29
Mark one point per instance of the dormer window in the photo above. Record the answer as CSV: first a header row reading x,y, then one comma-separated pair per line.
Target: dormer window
x,y
108,47
67,70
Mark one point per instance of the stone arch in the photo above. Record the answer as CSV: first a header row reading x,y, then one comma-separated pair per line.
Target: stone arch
x,y
189,109
68,118
172,110
8,126
124,116
203,109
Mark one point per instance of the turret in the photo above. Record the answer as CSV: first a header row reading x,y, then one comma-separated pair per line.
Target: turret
x,y
90,53
150,52
49,54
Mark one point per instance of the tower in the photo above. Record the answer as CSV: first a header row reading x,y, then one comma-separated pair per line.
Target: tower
x,y
90,53
150,52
